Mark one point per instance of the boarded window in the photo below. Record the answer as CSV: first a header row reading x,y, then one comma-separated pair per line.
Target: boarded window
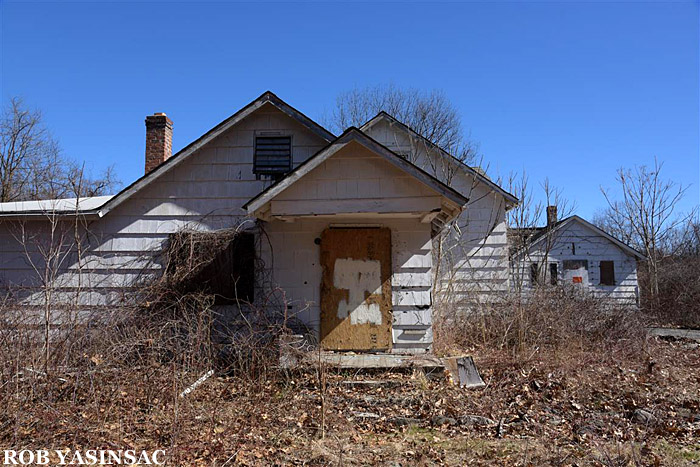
x,y
573,264
273,155
553,273
534,274
214,264
607,273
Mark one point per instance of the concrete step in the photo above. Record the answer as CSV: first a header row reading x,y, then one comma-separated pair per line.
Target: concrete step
x,y
693,334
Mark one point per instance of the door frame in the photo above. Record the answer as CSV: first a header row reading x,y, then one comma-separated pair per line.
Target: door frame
x,y
362,244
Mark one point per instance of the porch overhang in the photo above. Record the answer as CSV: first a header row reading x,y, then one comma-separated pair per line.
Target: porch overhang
x,y
426,209
434,200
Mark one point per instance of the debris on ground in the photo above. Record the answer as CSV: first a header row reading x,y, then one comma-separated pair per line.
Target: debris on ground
x,y
553,408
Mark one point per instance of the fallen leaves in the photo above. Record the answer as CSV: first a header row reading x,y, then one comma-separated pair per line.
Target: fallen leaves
x,y
537,412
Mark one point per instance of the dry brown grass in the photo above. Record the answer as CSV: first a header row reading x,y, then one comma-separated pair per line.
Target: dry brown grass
x,y
550,319
551,411
678,302
554,401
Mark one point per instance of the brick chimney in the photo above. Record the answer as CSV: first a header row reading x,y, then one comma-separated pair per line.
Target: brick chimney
x,y
159,140
551,215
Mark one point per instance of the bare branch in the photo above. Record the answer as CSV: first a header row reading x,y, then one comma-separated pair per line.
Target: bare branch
x,y
32,165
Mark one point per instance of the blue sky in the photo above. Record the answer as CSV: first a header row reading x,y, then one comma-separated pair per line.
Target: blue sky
x,y
565,90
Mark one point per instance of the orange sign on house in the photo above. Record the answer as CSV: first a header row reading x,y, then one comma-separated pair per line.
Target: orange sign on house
x,y
577,280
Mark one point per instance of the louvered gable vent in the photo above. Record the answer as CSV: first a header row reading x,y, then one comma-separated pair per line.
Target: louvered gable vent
x,y
273,155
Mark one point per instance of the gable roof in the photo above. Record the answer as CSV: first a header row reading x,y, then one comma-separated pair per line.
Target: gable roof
x,y
350,135
470,170
543,232
266,98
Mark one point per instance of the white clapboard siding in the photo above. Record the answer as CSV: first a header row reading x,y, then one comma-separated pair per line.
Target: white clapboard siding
x,y
411,339
298,272
206,192
351,181
577,241
412,277
479,240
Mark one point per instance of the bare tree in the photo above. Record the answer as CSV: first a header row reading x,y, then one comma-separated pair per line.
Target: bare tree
x,y
24,142
428,113
54,248
685,242
49,247
31,163
647,213
437,143
613,221
527,222
522,224
678,299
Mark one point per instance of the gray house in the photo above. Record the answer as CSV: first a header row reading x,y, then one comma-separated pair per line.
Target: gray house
x,y
358,235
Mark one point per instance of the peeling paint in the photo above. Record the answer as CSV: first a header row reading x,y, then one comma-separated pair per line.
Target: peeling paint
x,y
361,278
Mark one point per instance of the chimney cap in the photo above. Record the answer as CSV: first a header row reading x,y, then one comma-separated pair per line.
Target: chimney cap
x,y
158,118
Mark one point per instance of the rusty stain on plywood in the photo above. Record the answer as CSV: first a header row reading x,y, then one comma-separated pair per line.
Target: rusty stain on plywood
x,y
356,289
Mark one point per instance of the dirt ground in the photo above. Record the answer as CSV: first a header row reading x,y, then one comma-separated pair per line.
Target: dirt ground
x,y
575,408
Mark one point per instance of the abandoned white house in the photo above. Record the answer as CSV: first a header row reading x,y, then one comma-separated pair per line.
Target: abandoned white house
x,y
573,252
345,227
356,236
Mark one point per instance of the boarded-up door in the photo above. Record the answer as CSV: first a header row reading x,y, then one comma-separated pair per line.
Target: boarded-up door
x,y
576,272
356,289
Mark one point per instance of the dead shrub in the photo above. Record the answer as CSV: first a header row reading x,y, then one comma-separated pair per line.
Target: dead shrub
x,y
202,311
678,300
550,318
176,325
143,354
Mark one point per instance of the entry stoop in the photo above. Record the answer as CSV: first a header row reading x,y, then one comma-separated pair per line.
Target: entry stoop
x,y
378,361
296,353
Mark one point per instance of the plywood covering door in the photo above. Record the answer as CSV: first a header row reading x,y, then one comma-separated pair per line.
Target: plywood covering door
x,y
356,289
576,272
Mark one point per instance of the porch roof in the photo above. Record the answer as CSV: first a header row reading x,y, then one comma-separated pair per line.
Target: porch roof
x,y
427,196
